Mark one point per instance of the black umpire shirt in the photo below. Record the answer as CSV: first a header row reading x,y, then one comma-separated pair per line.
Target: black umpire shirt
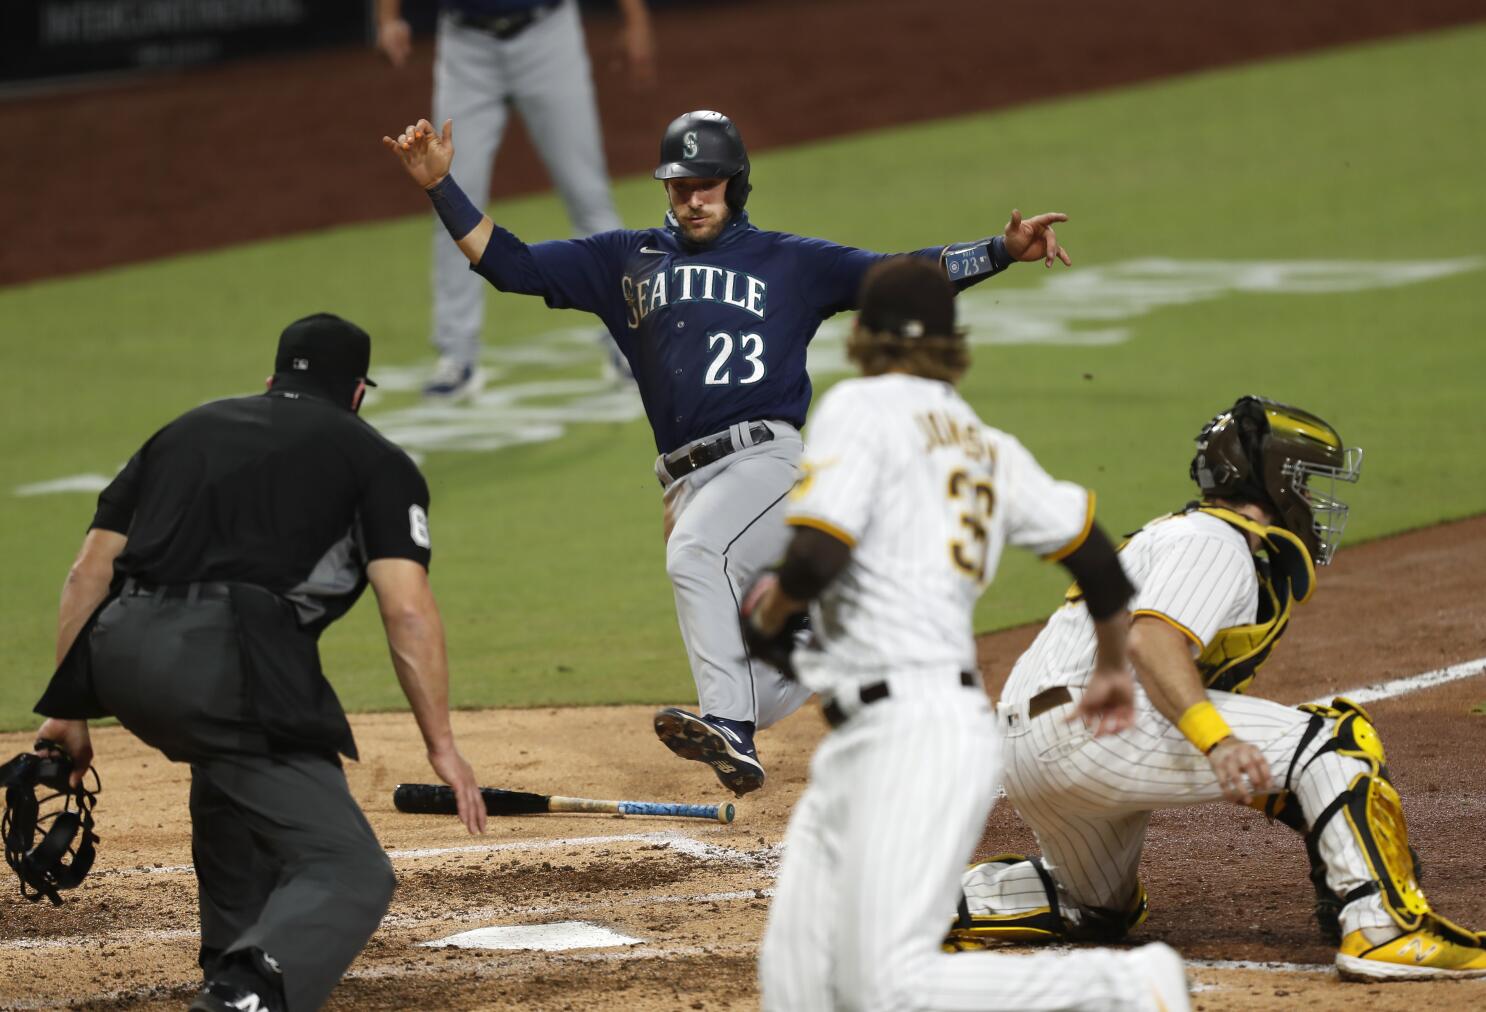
x,y
285,497
284,490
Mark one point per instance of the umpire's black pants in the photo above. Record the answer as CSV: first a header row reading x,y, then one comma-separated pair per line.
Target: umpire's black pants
x,y
285,860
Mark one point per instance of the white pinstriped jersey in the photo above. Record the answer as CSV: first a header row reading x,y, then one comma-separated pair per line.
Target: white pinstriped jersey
x,y
1192,569
901,468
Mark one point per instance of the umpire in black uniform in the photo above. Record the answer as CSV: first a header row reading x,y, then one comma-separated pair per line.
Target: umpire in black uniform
x,y
227,544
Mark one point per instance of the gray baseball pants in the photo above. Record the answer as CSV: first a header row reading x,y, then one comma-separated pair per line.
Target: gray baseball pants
x,y
544,73
725,523
285,860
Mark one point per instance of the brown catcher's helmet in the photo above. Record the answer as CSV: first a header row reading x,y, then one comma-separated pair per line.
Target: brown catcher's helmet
x,y
1286,460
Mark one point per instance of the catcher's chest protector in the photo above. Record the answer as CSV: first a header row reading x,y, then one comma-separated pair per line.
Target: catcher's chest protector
x,y
1286,578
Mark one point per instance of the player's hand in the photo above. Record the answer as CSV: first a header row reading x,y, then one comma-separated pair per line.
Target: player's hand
x,y
458,774
1107,705
74,737
425,153
395,40
637,43
1033,239
1241,769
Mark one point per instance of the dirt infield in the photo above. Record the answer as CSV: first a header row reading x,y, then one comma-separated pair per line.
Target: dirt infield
x,y
211,157
1224,885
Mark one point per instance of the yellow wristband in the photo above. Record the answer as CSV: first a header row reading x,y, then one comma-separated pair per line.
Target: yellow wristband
x,y
1203,726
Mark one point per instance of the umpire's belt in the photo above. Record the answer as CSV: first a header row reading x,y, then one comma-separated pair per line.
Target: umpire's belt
x,y
836,715
203,591
506,26
712,449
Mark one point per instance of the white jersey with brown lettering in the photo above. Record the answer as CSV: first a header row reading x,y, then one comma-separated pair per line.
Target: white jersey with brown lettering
x,y
901,469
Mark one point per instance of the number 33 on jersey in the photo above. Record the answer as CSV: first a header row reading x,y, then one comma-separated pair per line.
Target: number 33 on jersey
x,y
949,492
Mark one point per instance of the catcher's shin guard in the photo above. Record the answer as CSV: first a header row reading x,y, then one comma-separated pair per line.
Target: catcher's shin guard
x,y
1049,923
1374,813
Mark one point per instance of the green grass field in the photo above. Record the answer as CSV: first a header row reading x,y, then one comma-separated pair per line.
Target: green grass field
x,y
548,558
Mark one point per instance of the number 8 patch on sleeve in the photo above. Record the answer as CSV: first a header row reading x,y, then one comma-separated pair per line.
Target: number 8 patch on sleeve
x,y
418,526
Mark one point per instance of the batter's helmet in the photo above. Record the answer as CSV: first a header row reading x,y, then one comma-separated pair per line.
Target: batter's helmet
x,y
1269,453
706,145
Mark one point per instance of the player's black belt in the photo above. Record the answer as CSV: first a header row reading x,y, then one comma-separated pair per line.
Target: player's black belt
x,y
506,26
875,692
709,451
203,591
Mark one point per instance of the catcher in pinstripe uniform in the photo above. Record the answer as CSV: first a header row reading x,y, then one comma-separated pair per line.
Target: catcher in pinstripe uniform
x,y
1216,586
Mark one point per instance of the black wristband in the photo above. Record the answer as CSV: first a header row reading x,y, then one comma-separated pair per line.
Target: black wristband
x,y
454,209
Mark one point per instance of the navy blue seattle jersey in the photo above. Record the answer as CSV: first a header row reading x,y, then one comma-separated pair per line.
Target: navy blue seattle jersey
x,y
714,334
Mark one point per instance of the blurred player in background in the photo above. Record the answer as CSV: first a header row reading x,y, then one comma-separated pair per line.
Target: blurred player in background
x,y
491,55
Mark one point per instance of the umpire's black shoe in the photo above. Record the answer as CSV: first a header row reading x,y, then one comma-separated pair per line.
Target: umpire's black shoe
x,y
725,745
220,996
248,980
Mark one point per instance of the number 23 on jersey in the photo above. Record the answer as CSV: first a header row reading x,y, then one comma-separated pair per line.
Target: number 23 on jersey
x,y
749,360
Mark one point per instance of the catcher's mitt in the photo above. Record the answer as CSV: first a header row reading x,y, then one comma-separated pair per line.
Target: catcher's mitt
x,y
67,833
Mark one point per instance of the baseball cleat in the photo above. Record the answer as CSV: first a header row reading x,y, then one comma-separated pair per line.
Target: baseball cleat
x,y
1160,969
710,740
454,380
1415,955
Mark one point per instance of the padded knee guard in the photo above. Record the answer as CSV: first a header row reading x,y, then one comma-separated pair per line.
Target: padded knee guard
x,y
1050,923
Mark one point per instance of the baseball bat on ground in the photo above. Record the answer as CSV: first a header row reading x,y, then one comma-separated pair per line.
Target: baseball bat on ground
x,y
438,799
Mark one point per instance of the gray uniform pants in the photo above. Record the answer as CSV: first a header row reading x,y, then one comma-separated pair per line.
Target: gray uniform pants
x,y
544,73
285,860
724,523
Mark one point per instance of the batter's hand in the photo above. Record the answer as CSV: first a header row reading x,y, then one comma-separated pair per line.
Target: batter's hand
x,y
1241,769
425,153
1034,239
458,774
1107,705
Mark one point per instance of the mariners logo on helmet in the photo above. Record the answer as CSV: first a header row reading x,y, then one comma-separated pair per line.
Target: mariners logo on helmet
x,y
706,145
1285,459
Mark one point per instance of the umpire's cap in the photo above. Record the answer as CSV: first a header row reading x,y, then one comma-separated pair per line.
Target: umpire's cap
x,y
324,346
706,145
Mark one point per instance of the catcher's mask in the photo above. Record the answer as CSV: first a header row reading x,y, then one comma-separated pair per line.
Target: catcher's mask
x,y
706,145
1286,460
65,853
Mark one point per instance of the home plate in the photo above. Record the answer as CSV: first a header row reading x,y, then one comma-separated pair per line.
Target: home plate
x,y
548,937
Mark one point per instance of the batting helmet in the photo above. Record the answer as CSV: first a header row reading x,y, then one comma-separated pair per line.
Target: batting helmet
x,y
706,145
1269,453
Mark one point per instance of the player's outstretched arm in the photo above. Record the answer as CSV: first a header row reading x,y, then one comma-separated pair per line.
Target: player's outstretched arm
x,y
1030,239
426,154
